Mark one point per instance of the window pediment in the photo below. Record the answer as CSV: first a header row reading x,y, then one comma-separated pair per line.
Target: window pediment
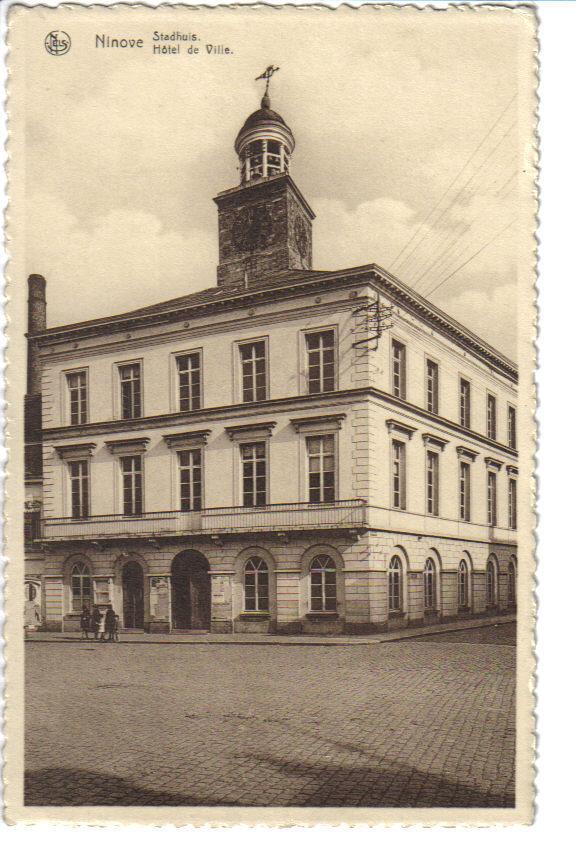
x,y
77,451
247,432
128,446
435,441
512,470
492,463
466,453
399,427
190,439
312,424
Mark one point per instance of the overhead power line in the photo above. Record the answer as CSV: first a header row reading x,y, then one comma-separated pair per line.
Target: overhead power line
x,y
471,258
454,180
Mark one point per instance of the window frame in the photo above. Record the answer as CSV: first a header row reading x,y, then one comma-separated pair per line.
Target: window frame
x,y
430,582
324,329
239,368
465,512
118,388
512,503
256,573
176,398
333,609
82,567
467,405
512,430
491,418
179,469
241,448
84,503
322,437
464,565
432,406
432,501
402,475
67,414
491,592
395,342
396,574
121,459
492,499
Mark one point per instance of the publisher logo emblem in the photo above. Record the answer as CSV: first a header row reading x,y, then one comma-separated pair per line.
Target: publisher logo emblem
x,y
57,42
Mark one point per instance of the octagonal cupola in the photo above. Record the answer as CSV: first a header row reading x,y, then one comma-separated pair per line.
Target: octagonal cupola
x,y
264,144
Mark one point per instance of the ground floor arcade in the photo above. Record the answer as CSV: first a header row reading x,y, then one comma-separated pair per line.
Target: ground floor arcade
x,y
313,583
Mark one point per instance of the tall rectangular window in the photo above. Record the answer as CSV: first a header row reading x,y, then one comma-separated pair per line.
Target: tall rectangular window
x,y
132,484
398,475
320,349
511,427
79,494
464,403
321,469
130,390
432,386
253,364
188,366
491,501
253,474
491,417
432,470
190,476
398,369
512,505
78,397
464,491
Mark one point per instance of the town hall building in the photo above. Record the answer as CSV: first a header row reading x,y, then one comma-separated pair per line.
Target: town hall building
x,y
291,450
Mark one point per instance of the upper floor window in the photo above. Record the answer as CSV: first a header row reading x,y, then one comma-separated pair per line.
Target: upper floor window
x,y
320,348
511,427
464,491
130,390
78,397
512,503
431,386
491,416
464,402
81,583
79,492
190,476
398,475
132,484
491,499
32,525
429,585
398,369
188,366
321,469
323,596
253,364
256,597
432,481
253,456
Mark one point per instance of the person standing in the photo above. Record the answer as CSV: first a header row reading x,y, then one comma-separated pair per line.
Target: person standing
x,y
85,621
96,618
110,623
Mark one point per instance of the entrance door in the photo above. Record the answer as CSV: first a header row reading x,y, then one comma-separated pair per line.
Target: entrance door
x,y
133,595
190,592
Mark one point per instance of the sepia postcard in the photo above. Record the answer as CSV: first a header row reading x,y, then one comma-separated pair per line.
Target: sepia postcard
x,y
269,498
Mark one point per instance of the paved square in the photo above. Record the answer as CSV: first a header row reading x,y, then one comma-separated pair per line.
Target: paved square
x,y
421,722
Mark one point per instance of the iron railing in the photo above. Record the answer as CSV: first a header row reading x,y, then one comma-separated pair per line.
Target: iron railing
x,y
347,514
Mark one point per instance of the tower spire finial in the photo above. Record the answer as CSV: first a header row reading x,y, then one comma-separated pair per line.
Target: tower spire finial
x,y
267,75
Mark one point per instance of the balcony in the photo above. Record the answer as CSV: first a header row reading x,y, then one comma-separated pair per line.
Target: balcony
x,y
281,517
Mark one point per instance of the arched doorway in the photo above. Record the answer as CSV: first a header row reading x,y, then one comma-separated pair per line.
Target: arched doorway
x,y
133,595
191,598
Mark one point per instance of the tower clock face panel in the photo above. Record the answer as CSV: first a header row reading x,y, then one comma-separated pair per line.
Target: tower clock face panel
x,y
252,229
302,238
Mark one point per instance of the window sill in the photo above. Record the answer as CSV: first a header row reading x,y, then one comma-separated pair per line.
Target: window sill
x,y
323,616
396,613
254,616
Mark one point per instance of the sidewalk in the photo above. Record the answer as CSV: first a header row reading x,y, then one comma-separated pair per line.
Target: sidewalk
x,y
281,640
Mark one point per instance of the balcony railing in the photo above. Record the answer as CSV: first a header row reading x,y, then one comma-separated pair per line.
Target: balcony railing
x,y
348,514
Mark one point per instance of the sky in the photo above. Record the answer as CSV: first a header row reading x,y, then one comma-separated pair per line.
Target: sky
x,y
392,116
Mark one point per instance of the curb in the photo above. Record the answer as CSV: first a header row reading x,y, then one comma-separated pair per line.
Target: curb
x,y
292,641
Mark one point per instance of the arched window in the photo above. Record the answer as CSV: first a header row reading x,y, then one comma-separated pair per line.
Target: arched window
x,y
31,591
256,594
323,584
490,583
511,584
429,584
463,585
395,585
81,587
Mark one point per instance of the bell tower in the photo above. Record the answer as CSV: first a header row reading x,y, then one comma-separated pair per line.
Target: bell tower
x,y
264,223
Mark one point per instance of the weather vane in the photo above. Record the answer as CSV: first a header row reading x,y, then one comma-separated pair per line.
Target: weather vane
x,y
267,75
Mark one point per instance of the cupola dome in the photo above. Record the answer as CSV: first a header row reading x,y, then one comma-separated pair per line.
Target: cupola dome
x,y
264,144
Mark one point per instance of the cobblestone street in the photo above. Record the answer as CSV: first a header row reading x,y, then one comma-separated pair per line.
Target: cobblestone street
x,y
420,722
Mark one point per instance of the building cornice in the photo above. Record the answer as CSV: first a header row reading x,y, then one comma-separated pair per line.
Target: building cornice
x,y
398,292
324,400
